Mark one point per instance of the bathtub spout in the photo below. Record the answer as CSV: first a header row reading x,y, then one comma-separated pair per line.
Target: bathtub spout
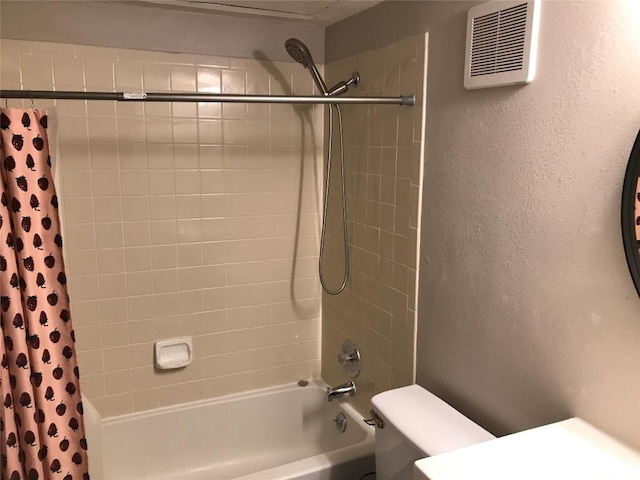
x,y
345,390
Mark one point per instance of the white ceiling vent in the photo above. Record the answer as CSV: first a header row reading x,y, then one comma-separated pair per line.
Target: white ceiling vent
x,y
502,39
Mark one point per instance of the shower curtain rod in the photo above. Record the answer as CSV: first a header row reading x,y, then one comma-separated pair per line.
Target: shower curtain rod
x,y
202,97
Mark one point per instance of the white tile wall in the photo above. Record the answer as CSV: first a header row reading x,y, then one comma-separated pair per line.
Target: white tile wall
x,y
383,166
182,219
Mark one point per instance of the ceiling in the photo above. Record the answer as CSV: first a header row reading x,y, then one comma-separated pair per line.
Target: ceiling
x,y
309,12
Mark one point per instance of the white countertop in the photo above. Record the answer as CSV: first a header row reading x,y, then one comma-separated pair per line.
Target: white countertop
x,y
567,450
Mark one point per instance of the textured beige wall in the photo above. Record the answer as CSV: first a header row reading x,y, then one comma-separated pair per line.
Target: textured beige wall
x,y
527,313
124,24
383,165
183,219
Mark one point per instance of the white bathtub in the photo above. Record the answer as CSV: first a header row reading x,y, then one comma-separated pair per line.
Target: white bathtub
x,y
278,433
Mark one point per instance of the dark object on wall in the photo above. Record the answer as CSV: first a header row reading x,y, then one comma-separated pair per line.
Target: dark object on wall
x,y
631,213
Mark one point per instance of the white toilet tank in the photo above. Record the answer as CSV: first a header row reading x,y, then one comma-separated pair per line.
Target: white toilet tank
x,y
418,424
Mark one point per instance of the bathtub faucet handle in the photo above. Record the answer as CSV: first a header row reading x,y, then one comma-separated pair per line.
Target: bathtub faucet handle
x,y
345,358
349,358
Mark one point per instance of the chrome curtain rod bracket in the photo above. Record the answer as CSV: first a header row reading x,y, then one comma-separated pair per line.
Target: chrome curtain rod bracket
x,y
204,97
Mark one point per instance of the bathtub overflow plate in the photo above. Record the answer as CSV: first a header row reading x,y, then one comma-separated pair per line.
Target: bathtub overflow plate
x,y
341,422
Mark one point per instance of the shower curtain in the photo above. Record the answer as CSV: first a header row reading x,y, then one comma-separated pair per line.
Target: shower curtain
x,y
41,424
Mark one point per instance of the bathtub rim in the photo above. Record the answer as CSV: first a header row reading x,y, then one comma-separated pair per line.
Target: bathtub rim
x,y
314,383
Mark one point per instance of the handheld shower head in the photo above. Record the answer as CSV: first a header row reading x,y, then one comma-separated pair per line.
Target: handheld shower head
x,y
298,51
301,54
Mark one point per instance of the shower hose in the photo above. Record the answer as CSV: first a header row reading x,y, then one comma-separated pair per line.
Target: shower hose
x,y
325,209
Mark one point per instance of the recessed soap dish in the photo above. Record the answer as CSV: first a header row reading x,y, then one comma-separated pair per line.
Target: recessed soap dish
x,y
173,353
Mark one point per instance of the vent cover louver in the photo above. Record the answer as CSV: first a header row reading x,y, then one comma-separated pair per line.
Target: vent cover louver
x,y
501,43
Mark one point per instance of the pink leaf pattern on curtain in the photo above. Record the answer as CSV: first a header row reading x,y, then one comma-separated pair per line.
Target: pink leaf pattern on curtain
x,y
41,423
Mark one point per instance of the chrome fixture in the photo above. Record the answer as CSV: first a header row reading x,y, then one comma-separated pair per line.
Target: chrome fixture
x,y
343,86
341,422
345,390
204,97
301,54
349,358
298,51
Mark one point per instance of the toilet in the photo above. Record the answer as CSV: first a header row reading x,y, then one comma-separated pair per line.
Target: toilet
x,y
417,424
